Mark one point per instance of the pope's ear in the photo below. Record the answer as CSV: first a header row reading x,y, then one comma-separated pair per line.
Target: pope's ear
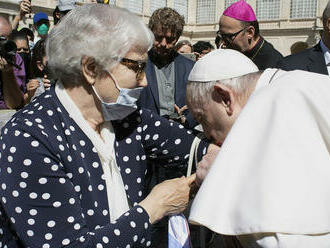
x,y
89,69
225,96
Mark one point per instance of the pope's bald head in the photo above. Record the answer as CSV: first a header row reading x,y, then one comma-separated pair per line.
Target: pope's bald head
x,y
5,28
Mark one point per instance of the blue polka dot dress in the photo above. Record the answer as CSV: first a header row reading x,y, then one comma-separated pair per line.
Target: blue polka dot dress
x,y
52,185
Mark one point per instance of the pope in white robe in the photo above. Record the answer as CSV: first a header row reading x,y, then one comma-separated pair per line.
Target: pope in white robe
x,y
269,184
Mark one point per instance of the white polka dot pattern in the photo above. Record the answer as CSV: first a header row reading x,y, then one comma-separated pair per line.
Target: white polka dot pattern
x,y
61,177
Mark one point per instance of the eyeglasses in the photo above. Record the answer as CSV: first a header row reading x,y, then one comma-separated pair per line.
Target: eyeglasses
x,y
137,66
229,37
169,39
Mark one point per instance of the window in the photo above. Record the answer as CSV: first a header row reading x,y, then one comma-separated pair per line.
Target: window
x,y
135,6
303,8
182,7
229,2
206,11
268,9
156,4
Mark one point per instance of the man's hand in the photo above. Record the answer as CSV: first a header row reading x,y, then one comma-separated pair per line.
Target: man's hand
x,y
205,164
25,7
180,112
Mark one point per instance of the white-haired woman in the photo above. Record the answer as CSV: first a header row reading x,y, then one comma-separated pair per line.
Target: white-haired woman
x,y
73,161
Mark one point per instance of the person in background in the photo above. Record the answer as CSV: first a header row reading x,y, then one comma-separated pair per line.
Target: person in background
x,y
41,25
239,30
13,77
30,35
201,48
167,71
315,59
167,74
183,46
56,15
24,9
40,72
298,47
23,49
63,7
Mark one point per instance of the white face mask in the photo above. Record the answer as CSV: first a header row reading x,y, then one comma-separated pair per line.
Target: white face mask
x,y
125,104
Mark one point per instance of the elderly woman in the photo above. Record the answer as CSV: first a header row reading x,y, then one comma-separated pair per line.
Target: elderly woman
x,y
73,161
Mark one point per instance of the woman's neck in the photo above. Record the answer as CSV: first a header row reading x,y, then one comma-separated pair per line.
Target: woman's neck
x,y
88,105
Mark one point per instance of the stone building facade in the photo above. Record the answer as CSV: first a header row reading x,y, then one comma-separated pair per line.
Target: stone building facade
x,y
282,22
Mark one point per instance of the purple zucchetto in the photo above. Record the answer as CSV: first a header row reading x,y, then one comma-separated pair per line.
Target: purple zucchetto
x,y
241,11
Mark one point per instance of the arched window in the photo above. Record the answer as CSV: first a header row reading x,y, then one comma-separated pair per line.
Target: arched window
x,y
303,8
205,11
268,9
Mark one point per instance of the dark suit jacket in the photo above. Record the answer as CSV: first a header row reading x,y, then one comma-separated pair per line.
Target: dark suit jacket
x,y
150,97
311,59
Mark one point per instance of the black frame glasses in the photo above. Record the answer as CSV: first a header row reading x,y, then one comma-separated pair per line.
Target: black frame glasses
x,y
137,66
229,37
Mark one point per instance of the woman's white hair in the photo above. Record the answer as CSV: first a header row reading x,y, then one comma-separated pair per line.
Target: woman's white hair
x,y
103,32
199,93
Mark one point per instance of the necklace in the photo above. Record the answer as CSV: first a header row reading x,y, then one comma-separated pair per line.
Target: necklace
x,y
256,53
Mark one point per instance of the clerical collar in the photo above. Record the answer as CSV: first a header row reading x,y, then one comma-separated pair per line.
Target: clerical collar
x,y
256,49
158,61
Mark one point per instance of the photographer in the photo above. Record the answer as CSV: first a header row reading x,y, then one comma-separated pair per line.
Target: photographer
x,y
12,80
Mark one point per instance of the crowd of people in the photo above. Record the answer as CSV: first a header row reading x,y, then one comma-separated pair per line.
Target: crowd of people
x,y
111,113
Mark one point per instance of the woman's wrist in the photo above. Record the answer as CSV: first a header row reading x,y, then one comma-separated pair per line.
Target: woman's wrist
x,y
153,208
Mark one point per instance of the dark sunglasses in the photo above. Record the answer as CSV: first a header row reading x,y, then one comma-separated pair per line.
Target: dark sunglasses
x,y
137,66
229,36
169,39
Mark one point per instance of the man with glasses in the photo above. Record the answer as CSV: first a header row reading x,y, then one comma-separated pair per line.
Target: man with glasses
x,y
239,30
167,74
167,71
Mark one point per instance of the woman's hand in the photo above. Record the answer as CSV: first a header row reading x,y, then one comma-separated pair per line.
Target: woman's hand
x,y
168,197
31,87
46,82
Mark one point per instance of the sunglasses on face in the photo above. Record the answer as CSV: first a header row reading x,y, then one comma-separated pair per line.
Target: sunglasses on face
x,y
137,66
229,37
169,39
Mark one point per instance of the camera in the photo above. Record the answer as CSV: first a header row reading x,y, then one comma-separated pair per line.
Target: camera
x,y
8,50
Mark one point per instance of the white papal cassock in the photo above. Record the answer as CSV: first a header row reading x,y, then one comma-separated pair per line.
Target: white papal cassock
x,y
270,183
